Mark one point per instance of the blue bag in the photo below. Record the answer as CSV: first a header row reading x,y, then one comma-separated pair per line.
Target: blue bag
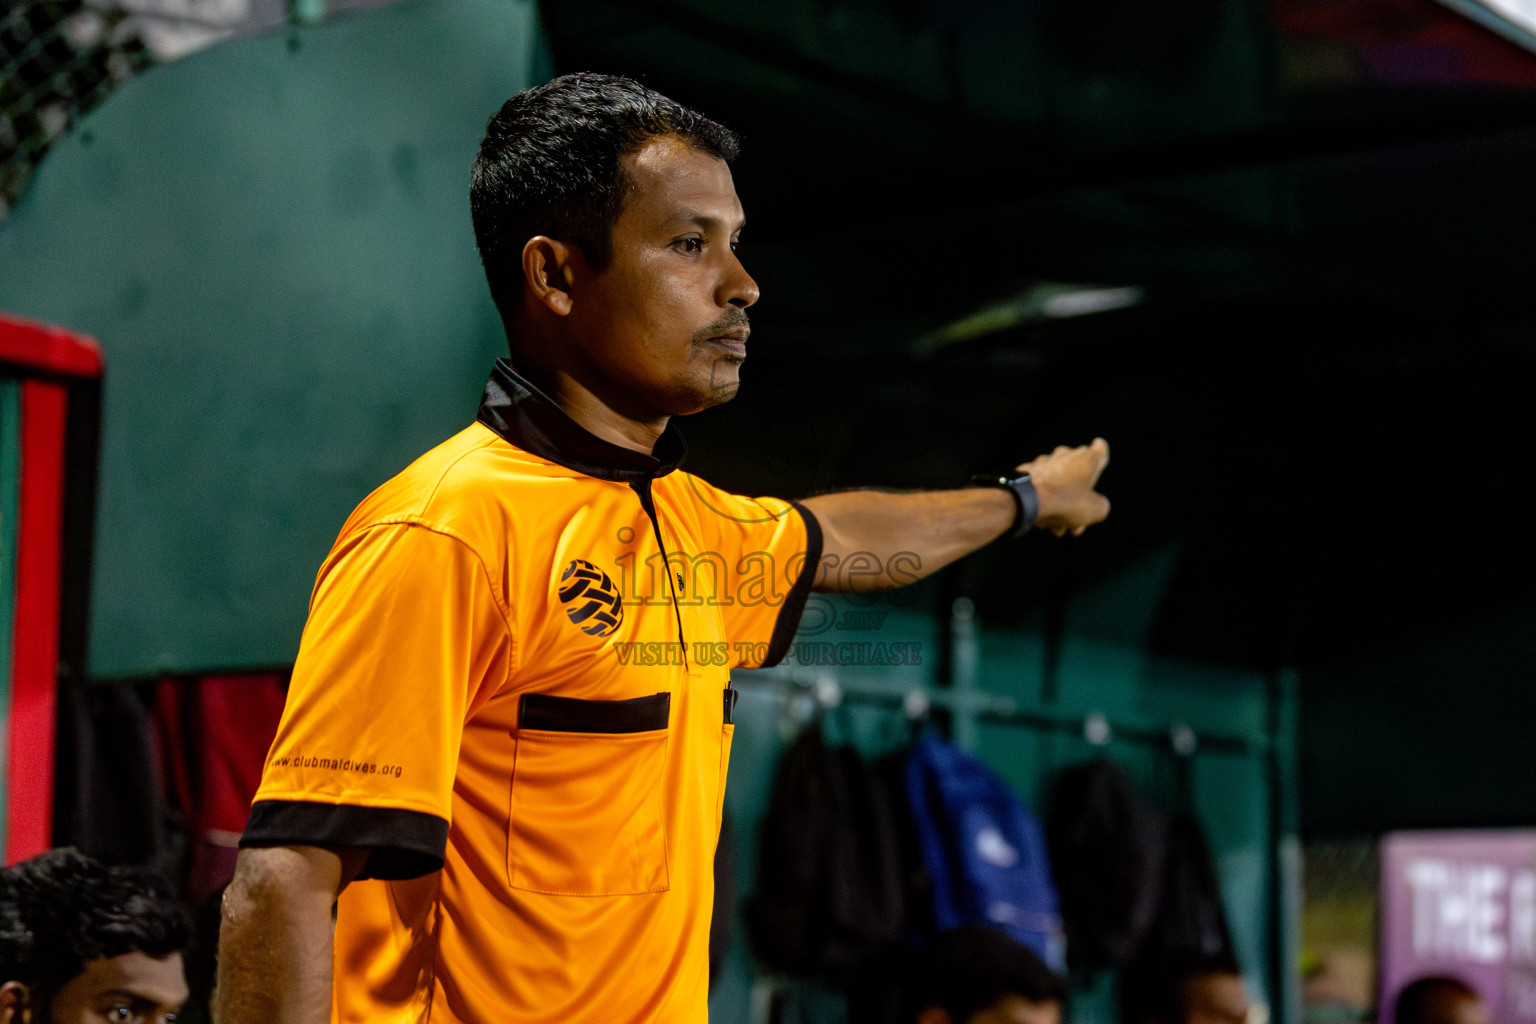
x,y
984,852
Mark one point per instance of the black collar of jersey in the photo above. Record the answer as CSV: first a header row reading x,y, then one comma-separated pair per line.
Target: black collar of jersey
x,y
524,416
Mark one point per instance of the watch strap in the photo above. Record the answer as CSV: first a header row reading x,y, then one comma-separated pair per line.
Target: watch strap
x,y
1026,499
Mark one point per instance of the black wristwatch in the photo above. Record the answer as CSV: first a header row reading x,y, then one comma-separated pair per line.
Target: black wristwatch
x,y
1026,499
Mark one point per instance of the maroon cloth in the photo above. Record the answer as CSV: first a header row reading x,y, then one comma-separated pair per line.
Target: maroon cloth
x,y
237,718
214,732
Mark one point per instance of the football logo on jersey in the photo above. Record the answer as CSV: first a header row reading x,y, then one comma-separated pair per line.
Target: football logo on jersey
x,y
591,600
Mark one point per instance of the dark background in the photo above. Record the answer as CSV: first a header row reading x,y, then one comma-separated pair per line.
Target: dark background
x,y
1322,399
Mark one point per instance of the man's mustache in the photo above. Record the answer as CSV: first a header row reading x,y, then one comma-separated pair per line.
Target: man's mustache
x,y
731,320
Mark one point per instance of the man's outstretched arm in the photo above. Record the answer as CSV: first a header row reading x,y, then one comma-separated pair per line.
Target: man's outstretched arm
x,y
904,537
276,936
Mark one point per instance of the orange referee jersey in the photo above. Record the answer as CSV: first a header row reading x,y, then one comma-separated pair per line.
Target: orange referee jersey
x,y
513,689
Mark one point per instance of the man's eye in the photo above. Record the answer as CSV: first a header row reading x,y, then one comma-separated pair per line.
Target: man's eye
x,y
692,244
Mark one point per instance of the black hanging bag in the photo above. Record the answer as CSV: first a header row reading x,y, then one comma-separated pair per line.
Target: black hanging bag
x,y
1108,847
829,877
1191,923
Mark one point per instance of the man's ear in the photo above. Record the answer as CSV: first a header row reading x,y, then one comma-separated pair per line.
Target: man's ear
x,y
934,1015
549,272
15,1003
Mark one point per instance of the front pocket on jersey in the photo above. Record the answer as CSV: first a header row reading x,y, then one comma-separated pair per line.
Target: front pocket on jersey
x,y
586,810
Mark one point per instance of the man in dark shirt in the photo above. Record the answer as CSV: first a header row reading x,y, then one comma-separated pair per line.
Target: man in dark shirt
x,y
981,976
83,943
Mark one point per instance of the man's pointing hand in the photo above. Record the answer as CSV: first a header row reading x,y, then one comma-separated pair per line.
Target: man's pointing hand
x,y
1065,481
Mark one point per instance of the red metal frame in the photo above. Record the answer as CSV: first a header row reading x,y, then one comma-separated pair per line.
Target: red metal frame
x,y
39,354
44,349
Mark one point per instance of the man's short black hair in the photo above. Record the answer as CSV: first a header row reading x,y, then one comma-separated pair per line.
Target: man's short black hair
x,y
1413,1002
969,969
549,165
62,909
1153,988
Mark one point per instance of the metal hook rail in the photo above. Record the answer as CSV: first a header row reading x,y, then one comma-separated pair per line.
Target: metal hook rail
x,y
824,690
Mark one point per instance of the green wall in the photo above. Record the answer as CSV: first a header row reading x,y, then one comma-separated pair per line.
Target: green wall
x,y
271,240
10,500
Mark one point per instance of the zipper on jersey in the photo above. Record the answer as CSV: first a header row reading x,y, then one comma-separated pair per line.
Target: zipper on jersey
x,y
643,489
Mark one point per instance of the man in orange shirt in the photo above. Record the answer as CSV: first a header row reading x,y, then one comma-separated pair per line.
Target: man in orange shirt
x,y
506,741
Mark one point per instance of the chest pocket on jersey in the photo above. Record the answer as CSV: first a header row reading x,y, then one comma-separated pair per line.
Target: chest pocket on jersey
x,y
586,810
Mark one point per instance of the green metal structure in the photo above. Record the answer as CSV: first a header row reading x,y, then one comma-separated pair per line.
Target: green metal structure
x,y
1030,707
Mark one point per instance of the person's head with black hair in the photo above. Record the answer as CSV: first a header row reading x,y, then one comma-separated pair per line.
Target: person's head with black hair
x,y
1187,988
83,943
608,223
1439,999
980,976
550,164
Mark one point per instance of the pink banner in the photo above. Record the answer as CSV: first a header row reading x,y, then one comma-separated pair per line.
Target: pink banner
x,y
1461,904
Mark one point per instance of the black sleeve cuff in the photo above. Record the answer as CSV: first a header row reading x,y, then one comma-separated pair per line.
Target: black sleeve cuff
x,y
403,844
794,605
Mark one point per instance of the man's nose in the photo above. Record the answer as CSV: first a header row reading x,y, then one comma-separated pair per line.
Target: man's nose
x,y
737,288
